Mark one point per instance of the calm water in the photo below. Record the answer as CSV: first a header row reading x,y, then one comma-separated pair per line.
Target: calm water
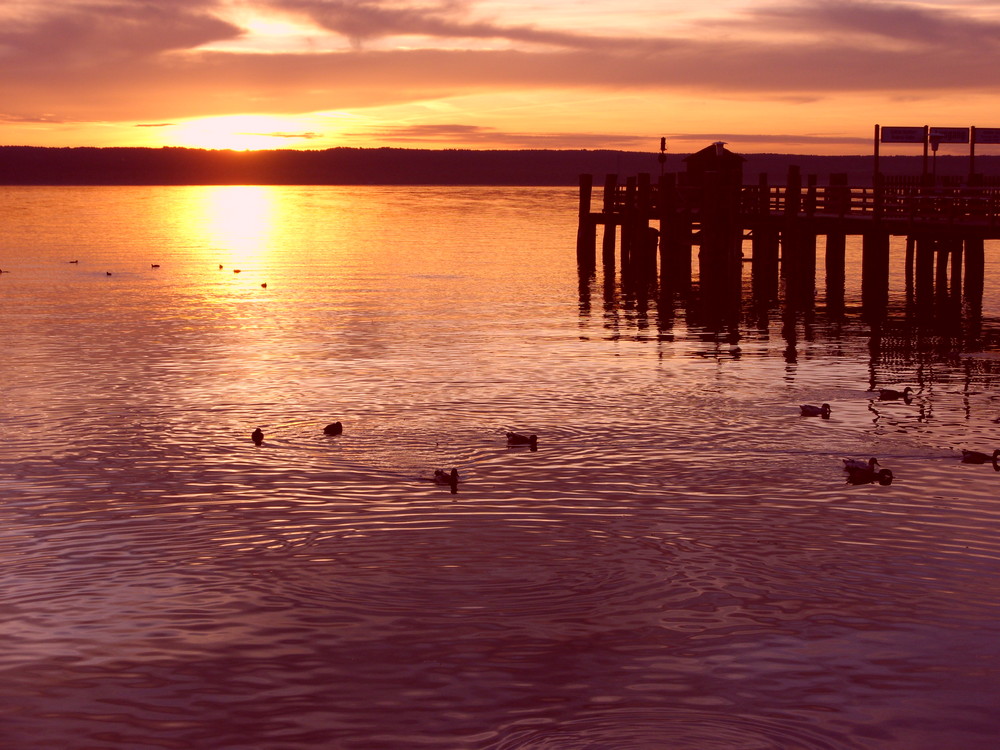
x,y
679,565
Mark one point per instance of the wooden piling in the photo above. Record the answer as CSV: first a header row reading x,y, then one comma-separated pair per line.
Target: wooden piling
x,y
834,261
610,221
675,236
628,220
924,272
875,272
972,286
586,243
764,248
908,261
719,259
955,273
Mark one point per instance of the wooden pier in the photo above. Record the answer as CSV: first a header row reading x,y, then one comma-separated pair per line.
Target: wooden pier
x,y
709,207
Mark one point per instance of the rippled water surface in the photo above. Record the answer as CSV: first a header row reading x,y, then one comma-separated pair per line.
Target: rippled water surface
x,y
680,564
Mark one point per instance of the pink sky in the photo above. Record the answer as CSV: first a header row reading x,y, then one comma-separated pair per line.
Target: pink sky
x,y
794,76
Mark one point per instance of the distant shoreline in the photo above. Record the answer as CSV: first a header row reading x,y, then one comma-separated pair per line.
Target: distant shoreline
x,y
32,165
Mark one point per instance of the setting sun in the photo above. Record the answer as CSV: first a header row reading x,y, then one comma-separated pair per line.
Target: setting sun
x,y
241,132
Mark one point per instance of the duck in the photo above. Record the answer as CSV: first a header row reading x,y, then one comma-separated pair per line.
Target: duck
x,y
975,457
858,463
236,270
154,265
449,478
868,476
808,410
108,273
220,266
890,394
514,438
264,285
72,261
257,436
334,428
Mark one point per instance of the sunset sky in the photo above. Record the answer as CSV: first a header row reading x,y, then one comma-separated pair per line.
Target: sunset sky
x,y
797,76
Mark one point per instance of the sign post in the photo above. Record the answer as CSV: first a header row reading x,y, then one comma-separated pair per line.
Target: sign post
x,y
980,135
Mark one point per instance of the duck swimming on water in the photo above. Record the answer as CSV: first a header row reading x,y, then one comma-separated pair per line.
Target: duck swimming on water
x,y
257,436
514,438
449,478
857,463
808,410
868,476
975,457
334,428
890,394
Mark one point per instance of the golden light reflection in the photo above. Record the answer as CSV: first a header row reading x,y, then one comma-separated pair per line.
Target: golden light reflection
x,y
239,221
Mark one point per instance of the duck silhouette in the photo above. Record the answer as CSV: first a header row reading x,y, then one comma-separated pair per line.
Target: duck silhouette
x,y
890,394
449,478
154,265
257,436
975,457
808,410
858,463
514,438
334,428
868,476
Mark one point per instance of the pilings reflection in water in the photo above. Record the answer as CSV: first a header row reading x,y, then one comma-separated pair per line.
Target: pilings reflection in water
x,y
937,316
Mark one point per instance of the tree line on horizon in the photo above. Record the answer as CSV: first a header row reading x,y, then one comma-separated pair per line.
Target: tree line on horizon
x,y
34,165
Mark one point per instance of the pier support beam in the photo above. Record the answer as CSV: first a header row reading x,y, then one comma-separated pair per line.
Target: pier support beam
x,y
765,245
924,273
875,272
610,222
586,243
972,286
834,259
675,237
720,260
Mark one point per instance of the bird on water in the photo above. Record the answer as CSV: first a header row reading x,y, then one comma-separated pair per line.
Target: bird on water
x,y
334,428
449,478
868,476
257,436
975,457
890,394
858,463
808,410
514,438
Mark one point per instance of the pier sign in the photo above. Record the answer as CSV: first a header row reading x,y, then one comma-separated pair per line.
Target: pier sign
x,y
949,135
987,135
902,135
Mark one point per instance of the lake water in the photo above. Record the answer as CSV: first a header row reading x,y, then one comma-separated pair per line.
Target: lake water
x,y
680,564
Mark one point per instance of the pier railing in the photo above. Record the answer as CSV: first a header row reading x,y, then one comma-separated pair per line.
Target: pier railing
x,y
972,206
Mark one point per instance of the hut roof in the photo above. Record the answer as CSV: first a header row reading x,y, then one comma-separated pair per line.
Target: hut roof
x,y
715,153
